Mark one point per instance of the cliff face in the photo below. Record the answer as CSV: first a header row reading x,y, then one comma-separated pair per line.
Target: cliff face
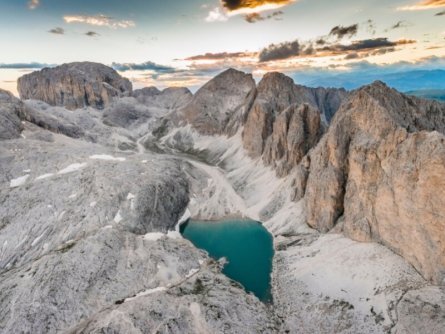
x,y
381,169
287,120
221,105
75,85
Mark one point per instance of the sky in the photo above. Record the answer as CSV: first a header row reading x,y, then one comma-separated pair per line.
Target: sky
x,y
186,42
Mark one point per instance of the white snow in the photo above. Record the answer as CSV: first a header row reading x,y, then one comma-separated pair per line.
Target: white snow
x,y
106,157
44,176
130,196
154,236
118,218
72,168
18,181
27,171
93,204
73,195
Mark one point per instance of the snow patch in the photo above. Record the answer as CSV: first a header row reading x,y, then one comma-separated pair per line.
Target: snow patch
x,y
72,168
106,157
18,181
44,176
154,236
118,218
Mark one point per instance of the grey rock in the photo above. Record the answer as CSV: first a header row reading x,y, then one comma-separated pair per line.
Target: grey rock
x,y
222,104
75,85
11,113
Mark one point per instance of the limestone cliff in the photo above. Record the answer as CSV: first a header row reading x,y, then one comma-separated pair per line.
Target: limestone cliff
x,y
287,120
380,167
221,104
75,85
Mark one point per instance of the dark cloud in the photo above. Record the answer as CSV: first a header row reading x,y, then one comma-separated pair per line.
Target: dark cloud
x,y
321,47
256,17
442,13
370,27
57,31
147,66
341,32
24,66
280,51
400,24
365,44
218,56
233,5
92,34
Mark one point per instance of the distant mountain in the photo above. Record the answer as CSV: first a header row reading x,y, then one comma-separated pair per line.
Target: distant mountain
x,y
402,81
432,94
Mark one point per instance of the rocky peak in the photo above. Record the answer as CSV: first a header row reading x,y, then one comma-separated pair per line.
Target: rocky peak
x,y
221,104
375,173
75,85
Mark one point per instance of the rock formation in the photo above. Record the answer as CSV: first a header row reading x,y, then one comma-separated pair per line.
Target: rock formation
x,y
75,85
12,111
287,120
379,167
221,104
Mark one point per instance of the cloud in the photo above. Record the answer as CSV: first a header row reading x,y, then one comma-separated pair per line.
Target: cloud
x,y
321,47
218,56
92,34
253,6
340,31
24,66
440,13
99,20
280,51
57,31
256,17
33,4
147,66
400,24
365,44
217,15
251,9
425,4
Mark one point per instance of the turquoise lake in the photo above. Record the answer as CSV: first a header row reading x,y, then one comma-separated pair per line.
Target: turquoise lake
x,y
247,246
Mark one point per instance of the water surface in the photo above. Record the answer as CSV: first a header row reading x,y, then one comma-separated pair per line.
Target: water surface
x,y
247,246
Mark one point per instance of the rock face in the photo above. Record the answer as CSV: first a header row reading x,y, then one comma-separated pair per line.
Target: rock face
x,y
287,120
12,111
295,131
379,167
221,105
75,85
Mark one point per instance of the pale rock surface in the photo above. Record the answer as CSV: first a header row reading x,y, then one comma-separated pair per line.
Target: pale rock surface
x,y
12,111
383,176
74,85
221,105
279,133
